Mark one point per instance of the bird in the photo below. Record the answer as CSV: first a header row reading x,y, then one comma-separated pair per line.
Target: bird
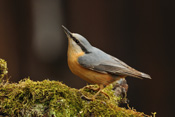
x,y
94,65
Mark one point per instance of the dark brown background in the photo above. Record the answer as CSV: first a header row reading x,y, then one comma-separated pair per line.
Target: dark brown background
x,y
139,32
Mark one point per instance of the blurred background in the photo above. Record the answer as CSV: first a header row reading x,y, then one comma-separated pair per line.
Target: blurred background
x,y
139,32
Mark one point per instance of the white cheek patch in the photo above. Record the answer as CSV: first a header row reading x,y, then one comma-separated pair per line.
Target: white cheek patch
x,y
76,48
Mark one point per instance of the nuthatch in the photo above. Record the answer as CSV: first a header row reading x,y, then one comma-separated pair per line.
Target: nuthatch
x,y
95,66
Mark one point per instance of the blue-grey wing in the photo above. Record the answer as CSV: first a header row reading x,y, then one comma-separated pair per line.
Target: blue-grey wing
x,y
101,62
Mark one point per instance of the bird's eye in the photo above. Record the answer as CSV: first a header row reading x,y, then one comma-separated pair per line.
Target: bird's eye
x,y
77,41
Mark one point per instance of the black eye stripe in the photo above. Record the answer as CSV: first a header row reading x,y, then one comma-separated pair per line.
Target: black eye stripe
x,y
83,48
77,41
81,45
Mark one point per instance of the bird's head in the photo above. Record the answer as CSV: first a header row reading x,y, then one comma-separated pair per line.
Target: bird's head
x,y
77,42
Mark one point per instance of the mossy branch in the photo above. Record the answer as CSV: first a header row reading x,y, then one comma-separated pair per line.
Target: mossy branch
x,y
54,99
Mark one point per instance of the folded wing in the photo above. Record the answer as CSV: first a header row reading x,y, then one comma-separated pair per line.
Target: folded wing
x,y
101,62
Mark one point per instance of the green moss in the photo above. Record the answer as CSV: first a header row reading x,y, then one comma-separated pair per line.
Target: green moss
x,y
33,98
54,99
3,69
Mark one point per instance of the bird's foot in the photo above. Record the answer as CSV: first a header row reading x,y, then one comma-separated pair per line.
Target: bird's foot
x,y
87,98
91,87
99,90
105,94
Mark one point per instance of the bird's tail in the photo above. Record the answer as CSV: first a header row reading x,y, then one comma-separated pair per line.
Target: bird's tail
x,y
141,75
137,74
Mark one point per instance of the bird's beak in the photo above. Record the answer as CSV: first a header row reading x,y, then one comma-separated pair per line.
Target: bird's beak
x,y
68,33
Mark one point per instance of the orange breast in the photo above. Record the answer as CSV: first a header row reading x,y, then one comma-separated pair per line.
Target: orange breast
x,y
86,74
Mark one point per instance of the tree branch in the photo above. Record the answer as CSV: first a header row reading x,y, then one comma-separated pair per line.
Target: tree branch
x,y
54,99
